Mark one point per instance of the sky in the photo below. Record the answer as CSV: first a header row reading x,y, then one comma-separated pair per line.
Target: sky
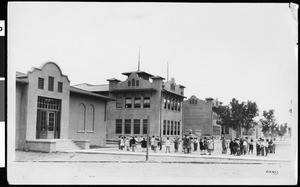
x,y
224,51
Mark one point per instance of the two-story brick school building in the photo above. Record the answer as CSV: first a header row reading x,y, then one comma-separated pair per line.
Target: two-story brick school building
x,y
141,95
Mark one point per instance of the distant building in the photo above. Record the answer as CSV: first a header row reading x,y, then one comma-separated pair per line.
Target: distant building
x,y
198,117
52,115
141,95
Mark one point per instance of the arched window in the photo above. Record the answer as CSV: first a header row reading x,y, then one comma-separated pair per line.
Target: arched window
x,y
129,83
90,118
137,82
133,82
81,117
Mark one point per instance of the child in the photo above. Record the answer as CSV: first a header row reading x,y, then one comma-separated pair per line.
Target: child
x,y
144,145
127,144
168,144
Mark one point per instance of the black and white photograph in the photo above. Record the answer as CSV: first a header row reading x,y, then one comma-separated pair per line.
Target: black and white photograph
x,y
152,93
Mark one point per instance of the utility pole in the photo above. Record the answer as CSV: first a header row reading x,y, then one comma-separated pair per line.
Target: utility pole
x,y
148,129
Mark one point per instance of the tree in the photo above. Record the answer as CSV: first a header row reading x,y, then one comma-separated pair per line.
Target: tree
x,y
282,130
269,125
238,115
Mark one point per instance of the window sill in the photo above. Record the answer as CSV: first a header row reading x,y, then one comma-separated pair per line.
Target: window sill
x,y
80,131
90,131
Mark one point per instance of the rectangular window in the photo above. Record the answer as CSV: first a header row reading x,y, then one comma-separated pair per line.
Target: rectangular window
x,y
179,106
137,102
119,101
118,126
136,126
127,126
165,103
168,128
171,128
164,127
41,83
128,103
60,87
172,105
146,103
175,127
50,83
169,104
144,126
178,128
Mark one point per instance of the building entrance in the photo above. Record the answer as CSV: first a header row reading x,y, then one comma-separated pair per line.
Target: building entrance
x,y
48,118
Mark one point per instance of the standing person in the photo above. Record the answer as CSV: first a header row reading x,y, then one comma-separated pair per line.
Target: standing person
x,y
201,145
191,144
133,143
245,146
185,144
127,144
266,146
130,141
274,145
271,146
251,146
210,146
144,145
205,145
237,147
195,143
257,147
122,143
231,146
262,147
224,150
241,146
168,145
119,141
155,144
152,142
176,143
160,142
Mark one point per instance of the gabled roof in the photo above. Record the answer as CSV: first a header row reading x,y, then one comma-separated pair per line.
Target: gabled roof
x,y
84,92
92,88
139,73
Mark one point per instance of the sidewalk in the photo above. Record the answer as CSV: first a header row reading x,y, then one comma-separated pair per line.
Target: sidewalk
x,y
280,155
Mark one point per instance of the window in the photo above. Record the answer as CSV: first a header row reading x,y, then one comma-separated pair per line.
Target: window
x,y
175,127
136,126
165,103
173,86
81,117
51,121
144,126
129,83
90,118
48,103
164,127
60,87
168,128
137,102
176,105
133,82
119,101
178,128
41,83
172,105
179,105
50,83
190,101
137,83
169,104
146,103
127,126
118,126
128,103
171,128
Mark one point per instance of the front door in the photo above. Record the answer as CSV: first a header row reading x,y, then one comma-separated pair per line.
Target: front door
x,y
48,118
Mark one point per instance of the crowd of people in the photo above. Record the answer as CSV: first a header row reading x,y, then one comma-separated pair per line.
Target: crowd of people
x,y
189,143
243,146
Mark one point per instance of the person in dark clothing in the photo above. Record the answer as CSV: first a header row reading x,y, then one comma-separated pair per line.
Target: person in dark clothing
x,y
231,146
133,143
176,143
251,146
195,144
201,143
144,145
258,147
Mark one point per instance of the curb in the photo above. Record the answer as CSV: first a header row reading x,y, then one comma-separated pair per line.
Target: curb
x,y
182,156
